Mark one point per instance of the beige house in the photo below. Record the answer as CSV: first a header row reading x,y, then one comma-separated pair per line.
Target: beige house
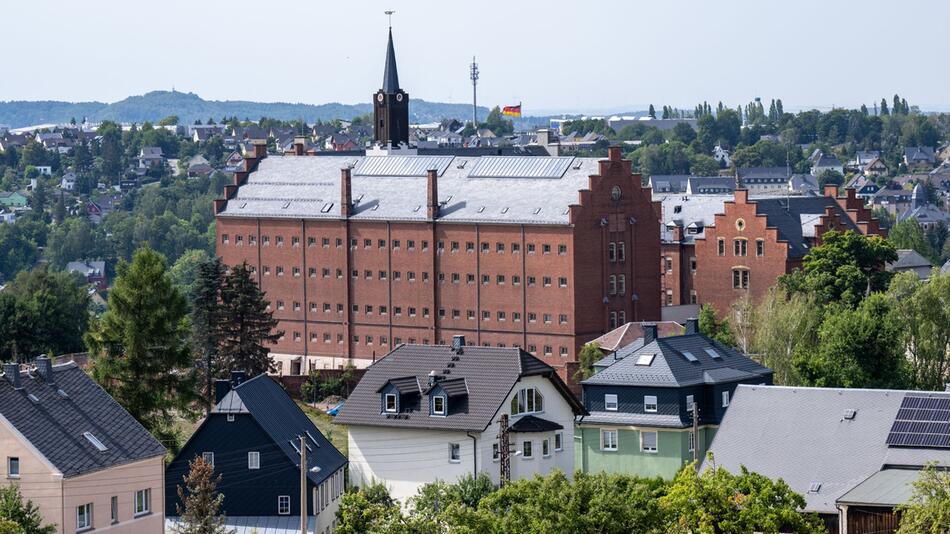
x,y
77,454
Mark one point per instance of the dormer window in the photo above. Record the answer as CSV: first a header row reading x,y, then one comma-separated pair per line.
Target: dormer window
x,y
390,403
438,405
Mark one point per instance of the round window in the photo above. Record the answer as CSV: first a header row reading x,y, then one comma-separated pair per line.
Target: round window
x,y
616,193
740,224
379,97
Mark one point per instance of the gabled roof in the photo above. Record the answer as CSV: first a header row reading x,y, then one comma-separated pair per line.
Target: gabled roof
x,y
55,424
908,259
671,365
802,435
919,153
669,183
795,218
752,175
490,373
284,422
624,335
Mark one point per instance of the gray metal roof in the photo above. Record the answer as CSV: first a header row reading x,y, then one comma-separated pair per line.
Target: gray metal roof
x,y
632,419
309,188
490,373
401,165
271,524
55,424
802,436
671,366
889,487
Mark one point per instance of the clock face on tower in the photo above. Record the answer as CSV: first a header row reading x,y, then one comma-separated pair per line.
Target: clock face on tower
x,y
398,97
379,98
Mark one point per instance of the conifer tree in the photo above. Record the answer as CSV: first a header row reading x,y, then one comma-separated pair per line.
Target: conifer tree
x,y
19,517
247,324
884,107
202,511
652,112
140,354
206,320
60,214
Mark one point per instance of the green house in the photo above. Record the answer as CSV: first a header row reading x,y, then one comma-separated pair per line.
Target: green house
x,y
13,199
640,402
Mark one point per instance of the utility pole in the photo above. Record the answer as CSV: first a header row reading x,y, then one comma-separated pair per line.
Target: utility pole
x,y
504,451
474,78
696,432
303,485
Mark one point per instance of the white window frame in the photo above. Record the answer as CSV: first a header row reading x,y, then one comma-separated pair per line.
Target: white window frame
x,y
455,453
609,445
725,399
230,417
528,446
558,441
208,457
546,447
691,441
253,460
610,402
143,502
435,410
519,402
84,510
283,505
656,442
386,403
648,401
11,472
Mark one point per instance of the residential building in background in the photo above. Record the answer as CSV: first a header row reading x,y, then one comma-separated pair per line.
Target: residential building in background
x,y
77,454
852,453
427,413
252,438
640,402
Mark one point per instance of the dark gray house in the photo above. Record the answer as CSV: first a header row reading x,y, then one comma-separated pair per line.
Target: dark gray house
x,y
640,401
252,437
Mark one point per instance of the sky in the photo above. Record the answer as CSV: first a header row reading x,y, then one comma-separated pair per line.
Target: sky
x,y
554,56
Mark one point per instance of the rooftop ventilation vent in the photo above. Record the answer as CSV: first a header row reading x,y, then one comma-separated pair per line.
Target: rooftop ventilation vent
x,y
95,441
286,205
481,209
849,414
62,393
326,207
814,487
33,398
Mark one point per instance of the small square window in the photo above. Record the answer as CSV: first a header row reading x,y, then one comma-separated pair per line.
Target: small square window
x,y
648,441
526,450
283,504
455,453
608,440
13,467
610,402
649,403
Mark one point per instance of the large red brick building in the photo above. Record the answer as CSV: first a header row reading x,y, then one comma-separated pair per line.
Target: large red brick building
x,y
358,254
754,241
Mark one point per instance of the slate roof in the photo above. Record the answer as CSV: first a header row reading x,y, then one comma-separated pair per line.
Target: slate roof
x,y
531,423
795,217
283,421
55,424
711,185
490,373
697,211
525,190
908,259
801,435
671,368
759,175
669,183
827,160
919,154
151,152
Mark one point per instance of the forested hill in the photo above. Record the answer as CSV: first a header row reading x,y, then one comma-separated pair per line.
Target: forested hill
x,y
190,107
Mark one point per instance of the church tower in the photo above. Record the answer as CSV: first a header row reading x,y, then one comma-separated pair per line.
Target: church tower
x,y
391,105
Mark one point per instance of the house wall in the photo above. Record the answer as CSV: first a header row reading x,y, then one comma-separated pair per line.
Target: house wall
x,y
346,331
123,481
672,450
39,481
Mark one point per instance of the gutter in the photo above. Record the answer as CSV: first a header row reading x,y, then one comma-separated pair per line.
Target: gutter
x,y
474,454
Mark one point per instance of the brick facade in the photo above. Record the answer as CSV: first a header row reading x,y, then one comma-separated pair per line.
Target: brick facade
x,y
355,289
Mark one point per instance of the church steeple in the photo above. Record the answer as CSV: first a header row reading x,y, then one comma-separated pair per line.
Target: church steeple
x,y
391,105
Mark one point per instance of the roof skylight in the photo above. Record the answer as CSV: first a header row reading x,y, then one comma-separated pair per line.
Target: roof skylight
x,y
689,356
95,441
646,359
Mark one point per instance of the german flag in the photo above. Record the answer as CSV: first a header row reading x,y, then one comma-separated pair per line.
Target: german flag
x,y
512,111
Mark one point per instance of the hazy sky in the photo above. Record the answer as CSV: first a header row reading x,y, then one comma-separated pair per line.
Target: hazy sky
x,y
552,56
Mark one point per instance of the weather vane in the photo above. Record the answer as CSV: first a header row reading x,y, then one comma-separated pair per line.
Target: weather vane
x,y
389,13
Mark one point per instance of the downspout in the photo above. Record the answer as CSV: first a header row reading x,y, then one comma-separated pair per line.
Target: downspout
x,y
474,454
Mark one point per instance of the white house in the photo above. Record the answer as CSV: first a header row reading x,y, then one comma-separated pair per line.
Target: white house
x,y
68,183
429,412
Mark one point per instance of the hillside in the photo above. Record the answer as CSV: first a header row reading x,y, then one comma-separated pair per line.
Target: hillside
x,y
190,107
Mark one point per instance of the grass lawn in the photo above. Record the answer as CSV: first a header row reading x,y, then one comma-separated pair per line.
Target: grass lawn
x,y
335,433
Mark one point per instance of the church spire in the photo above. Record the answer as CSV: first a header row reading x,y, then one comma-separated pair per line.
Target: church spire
x,y
390,75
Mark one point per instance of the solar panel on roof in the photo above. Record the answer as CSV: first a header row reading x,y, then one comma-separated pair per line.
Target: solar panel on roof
x,y
689,356
921,422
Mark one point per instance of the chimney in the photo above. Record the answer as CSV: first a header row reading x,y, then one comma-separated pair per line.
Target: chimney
x,y
346,192
831,190
260,149
458,342
432,193
44,366
299,143
431,378
221,388
692,326
11,371
613,153
238,378
649,333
